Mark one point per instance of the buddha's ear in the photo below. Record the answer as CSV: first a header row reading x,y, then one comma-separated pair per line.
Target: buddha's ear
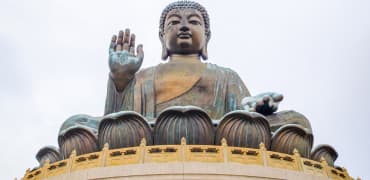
x,y
204,52
164,49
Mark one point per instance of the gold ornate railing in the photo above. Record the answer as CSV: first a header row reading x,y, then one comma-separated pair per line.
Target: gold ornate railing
x,y
187,153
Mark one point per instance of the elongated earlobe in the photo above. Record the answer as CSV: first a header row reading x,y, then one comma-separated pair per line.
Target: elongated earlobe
x,y
164,49
164,53
204,53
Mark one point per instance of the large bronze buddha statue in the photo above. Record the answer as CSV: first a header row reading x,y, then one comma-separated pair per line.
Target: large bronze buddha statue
x,y
184,97
185,79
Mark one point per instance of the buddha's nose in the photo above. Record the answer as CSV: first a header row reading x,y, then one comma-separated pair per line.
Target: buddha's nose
x,y
184,28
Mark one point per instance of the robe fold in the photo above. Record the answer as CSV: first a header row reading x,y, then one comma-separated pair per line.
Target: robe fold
x,y
215,89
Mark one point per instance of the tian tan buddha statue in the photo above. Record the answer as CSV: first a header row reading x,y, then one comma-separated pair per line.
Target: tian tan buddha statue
x,y
184,32
184,97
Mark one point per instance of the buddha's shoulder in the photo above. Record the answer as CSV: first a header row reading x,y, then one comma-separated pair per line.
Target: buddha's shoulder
x,y
149,71
219,69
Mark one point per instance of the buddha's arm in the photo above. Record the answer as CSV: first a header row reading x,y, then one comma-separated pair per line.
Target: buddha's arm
x,y
236,91
265,103
123,62
115,100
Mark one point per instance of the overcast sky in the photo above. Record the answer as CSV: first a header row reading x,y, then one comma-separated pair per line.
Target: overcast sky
x,y
53,59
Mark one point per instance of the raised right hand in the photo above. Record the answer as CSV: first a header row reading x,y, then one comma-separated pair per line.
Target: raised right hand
x,y
123,62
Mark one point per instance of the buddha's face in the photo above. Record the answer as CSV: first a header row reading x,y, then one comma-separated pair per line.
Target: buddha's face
x,y
184,32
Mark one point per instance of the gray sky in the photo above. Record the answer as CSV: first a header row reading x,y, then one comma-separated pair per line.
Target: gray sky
x,y
53,59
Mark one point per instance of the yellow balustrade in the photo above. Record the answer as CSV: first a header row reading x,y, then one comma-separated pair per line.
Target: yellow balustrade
x,y
57,168
336,174
186,153
123,156
281,160
313,167
86,161
163,153
246,155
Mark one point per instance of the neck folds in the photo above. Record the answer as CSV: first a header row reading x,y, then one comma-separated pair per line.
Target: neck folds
x,y
192,58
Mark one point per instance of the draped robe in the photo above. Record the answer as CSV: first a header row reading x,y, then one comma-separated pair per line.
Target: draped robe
x,y
215,89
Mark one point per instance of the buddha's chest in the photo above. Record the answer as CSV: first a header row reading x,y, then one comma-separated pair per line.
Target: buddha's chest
x,y
174,80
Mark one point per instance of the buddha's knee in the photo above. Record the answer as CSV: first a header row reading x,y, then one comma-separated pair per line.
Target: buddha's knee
x,y
48,153
291,131
279,119
78,133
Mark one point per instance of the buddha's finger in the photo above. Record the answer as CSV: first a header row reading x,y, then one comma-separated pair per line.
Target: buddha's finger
x,y
112,45
125,47
132,50
119,47
266,99
127,36
120,37
140,53
249,103
259,104
274,107
262,108
132,40
119,41
264,104
277,97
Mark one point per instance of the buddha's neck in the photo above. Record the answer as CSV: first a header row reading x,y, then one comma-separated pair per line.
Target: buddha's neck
x,y
192,58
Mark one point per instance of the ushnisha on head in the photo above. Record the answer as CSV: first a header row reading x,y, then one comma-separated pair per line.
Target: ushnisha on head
x,y
184,29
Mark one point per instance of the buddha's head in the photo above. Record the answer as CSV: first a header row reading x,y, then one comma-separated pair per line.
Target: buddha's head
x,y
184,29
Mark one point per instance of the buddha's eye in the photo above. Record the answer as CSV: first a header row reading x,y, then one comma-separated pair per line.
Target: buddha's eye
x,y
194,22
174,22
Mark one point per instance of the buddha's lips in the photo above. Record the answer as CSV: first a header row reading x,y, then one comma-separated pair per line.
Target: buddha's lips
x,y
184,35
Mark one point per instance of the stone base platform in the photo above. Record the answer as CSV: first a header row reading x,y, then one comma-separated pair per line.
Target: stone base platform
x,y
186,170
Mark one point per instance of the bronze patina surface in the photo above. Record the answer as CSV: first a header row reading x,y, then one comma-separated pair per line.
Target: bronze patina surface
x,y
290,137
177,122
184,79
50,153
123,129
78,133
244,129
326,152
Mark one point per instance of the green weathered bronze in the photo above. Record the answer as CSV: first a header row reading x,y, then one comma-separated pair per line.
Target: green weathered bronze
x,y
79,133
48,153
